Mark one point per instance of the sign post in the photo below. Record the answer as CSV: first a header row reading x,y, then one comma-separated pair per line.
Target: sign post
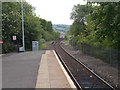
x,y
14,38
1,42
15,42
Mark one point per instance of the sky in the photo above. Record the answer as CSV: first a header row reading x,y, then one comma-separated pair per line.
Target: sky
x,y
56,11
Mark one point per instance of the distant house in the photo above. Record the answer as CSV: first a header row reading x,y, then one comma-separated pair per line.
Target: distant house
x,y
62,35
42,40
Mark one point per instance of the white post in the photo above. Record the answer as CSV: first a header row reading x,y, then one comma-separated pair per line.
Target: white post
x,y
23,39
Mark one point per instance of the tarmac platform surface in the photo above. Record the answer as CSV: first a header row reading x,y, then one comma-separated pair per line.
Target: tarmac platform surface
x,y
39,69
20,70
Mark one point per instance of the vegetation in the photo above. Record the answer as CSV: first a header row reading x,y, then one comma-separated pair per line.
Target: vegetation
x,y
96,24
96,30
35,27
61,27
43,45
48,33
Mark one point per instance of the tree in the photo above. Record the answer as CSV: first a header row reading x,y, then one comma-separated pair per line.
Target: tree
x,y
107,21
47,32
10,24
102,27
11,21
78,28
35,27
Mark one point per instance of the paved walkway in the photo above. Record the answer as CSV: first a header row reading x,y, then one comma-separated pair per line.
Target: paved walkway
x,y
20,70
51,73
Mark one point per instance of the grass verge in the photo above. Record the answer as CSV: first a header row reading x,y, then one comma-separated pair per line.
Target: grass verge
x,y
43,45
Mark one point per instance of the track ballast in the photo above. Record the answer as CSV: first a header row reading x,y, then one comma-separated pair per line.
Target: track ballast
x,y
82,76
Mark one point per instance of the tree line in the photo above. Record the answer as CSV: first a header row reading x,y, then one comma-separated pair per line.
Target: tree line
x,y
96,24
35,27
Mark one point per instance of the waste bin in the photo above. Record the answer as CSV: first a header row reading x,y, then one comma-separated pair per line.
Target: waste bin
x,y
35,45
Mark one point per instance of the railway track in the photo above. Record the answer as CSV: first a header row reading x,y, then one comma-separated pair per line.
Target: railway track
x,y
83,77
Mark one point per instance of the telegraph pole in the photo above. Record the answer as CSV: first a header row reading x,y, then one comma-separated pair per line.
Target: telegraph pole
x,y
23,38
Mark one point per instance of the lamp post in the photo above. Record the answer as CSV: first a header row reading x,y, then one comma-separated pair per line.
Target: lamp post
x,y
23,39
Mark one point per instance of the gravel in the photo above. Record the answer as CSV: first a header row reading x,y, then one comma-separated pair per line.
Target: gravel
x,y
104,70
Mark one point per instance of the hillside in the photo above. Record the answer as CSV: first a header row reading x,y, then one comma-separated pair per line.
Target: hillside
x,y
61,27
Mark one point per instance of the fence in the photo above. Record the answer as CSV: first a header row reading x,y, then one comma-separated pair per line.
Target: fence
x,y
108,55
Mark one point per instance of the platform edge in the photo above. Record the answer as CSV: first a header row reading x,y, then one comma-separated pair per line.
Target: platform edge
x,y
64,71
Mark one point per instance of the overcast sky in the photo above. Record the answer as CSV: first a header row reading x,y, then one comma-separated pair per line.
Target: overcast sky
x,y
57,11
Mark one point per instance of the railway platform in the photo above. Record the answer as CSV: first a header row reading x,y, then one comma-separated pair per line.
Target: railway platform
x,y
51,73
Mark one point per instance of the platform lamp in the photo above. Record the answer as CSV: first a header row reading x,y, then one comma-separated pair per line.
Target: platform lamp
x,y
23,38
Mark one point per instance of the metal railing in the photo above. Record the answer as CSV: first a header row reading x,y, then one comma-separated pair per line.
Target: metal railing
x,y
108,55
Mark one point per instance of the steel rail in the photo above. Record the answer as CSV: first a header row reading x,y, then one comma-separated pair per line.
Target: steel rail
x,y
89,69
69,72
71,75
